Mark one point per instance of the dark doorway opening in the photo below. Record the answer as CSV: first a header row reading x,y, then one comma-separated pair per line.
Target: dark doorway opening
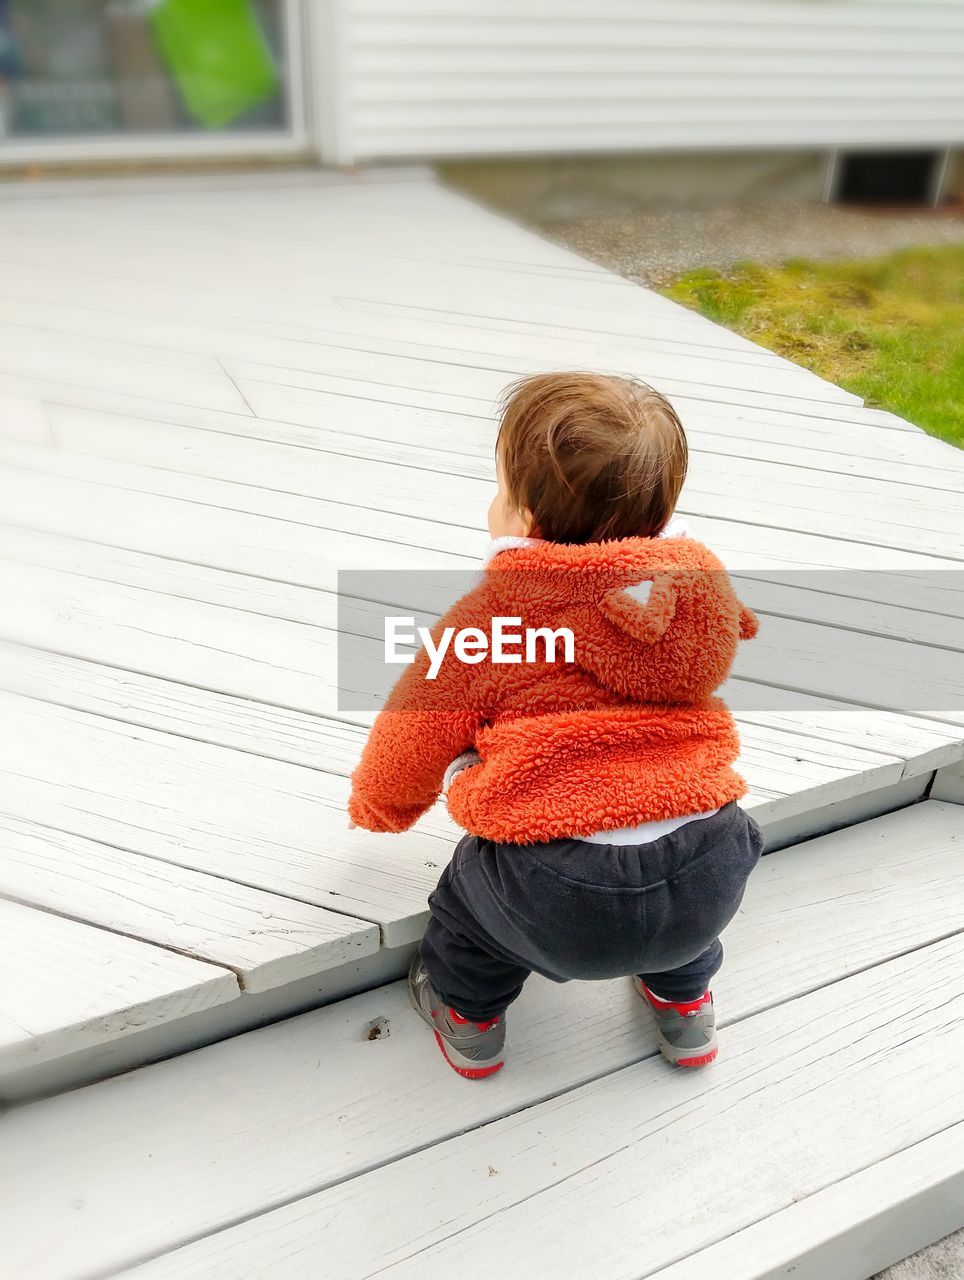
x,y
889,177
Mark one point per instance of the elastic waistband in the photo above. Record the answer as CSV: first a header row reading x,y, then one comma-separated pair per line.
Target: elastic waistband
x,y
640,866
646,832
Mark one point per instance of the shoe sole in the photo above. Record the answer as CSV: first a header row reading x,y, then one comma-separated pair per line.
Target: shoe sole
x,y
702,1061
670,1054
467,1073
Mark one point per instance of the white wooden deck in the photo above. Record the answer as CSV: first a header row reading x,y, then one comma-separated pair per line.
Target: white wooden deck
x,y
216,392
826,1142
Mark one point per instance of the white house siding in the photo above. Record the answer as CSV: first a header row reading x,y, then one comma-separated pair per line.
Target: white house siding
x,y
442,78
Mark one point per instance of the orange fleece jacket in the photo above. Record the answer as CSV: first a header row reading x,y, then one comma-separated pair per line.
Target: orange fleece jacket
x,y
628,732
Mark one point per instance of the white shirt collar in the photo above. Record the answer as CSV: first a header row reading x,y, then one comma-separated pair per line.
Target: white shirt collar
x,y
675,528
507,543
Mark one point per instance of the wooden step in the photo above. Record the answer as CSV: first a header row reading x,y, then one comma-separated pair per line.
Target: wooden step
x,y
338,1143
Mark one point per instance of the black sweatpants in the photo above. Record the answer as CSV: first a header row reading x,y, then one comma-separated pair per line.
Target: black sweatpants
x,y
569,909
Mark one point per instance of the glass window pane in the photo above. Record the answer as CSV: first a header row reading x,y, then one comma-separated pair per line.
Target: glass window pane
x,y
82,68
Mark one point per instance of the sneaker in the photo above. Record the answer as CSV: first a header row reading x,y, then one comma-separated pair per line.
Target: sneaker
x,y
686,1032
473,1049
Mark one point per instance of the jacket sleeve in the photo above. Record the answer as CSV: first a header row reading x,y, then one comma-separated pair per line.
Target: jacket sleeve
x,y
424,725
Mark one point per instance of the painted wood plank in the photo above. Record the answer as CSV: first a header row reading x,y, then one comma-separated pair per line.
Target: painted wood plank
x,y
204,241
563,1180
68,986
209,452
285,548
205,715
224,446
843,903
846,455
238,591
543,321
860,451
844,610
291,293
274,806
301,738
224,649
23,418
940,591
239,332
405,358
933,688
33,363
818,496
789,772
949,783
265,939
74,287
855,667
277,662
773,755
933,591
660,366
32,350
858,540
261,822
851,1229
192,630
922,744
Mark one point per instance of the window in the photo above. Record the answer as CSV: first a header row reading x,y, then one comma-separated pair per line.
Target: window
x,y
74,69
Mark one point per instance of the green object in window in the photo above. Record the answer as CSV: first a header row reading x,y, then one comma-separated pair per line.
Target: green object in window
x,y
217,55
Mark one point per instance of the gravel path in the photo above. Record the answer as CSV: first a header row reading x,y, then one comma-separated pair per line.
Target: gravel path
x,y
654,246
942,1261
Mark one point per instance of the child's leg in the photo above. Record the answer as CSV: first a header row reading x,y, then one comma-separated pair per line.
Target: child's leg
x,y
689,981
478,985
683,1008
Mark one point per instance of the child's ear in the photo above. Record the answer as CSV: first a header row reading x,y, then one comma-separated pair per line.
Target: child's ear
x,y
644,609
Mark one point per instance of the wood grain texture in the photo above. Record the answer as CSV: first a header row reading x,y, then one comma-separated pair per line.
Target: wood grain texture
x,y
853,1227
844,904
302,376
267,940
68,986
598,1172
261,822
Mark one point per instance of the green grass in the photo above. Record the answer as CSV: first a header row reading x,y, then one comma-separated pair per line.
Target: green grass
x,y
889,329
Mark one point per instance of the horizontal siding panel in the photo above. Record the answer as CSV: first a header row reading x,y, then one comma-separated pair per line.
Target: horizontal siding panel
x,y
581,140
372,60
403,90
561,114
817,13
645,34
491,77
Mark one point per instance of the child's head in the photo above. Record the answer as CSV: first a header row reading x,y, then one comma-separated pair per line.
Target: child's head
x,y
586,457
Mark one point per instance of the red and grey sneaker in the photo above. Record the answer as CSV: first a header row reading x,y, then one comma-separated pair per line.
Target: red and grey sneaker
x,y
686,1032
473,1049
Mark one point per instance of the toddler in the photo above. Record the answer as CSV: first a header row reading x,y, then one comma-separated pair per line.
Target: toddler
x,y
593,774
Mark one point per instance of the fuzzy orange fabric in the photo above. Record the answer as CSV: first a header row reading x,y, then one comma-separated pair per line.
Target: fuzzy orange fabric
x,y
627,733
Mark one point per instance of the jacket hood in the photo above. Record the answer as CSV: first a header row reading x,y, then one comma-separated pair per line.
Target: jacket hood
x,y
653,619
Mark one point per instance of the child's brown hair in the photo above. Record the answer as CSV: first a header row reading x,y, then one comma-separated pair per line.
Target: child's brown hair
x,y
592,456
